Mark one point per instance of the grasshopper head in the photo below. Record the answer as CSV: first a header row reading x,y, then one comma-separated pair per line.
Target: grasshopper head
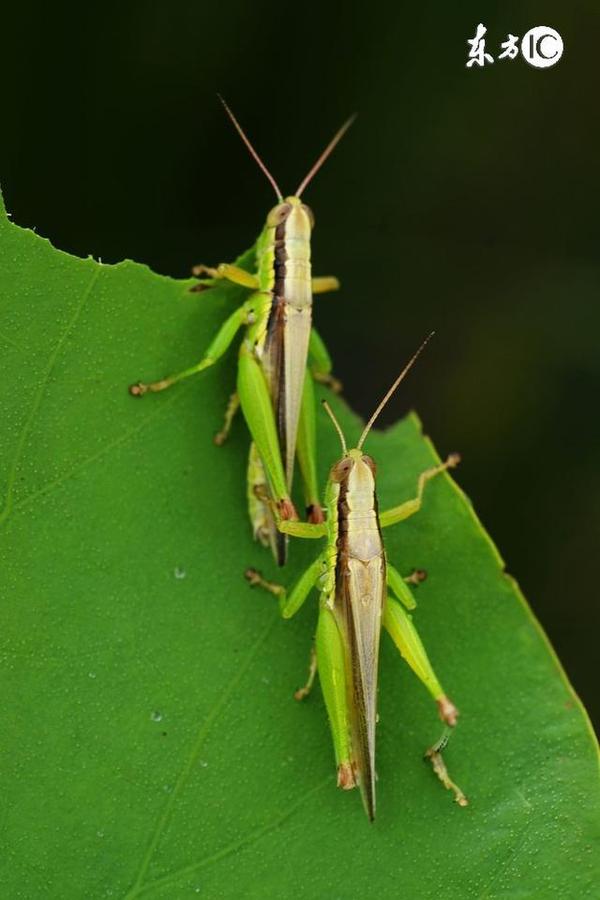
x,y
354,473
300,216
354,466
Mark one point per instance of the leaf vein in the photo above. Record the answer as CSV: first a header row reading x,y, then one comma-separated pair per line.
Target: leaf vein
x,y
246,841
189,764
37,400
117,442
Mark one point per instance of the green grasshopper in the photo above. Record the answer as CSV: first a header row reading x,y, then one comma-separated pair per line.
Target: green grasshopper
x,y
354,577
273,389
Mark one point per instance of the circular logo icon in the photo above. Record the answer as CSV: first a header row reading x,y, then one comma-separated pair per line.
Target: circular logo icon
x,y
542,47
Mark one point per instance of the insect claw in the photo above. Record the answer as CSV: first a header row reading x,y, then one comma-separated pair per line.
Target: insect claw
x,y
453,460
253,576
447,710
138,389
417,576
201,269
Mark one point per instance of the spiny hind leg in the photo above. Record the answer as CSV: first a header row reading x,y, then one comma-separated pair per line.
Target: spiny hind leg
x,y
434,755
406,638
333,679
410,507
257,407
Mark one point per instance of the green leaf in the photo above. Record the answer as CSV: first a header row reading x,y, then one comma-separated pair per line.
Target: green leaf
x,y
152,746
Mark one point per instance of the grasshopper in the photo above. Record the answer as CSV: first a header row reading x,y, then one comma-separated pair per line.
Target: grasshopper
x,y
359,592
273,387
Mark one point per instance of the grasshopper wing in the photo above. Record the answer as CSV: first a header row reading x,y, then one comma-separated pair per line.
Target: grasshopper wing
x,y
284,363
359,602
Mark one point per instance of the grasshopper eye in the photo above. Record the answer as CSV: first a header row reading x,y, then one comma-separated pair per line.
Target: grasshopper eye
x,y
310,214
278,214
371,463
342,469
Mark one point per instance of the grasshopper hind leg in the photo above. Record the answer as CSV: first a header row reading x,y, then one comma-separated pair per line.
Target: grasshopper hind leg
x,y
434,755
399,625
261,515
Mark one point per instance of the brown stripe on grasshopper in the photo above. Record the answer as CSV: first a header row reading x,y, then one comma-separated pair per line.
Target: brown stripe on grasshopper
x,y
274,349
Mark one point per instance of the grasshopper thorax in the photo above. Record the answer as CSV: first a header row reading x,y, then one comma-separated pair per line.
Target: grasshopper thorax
x,y
355,476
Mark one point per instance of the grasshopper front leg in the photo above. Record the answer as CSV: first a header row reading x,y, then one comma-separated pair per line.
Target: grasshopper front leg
x,y
410,507
290,603
231,273
324,284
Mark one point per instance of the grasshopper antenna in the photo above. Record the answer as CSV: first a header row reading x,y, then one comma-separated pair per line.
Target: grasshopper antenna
x,y
326,152
253,152
390,392
336,424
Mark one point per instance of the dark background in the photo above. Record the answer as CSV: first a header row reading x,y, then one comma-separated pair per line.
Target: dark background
x,y
463,200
